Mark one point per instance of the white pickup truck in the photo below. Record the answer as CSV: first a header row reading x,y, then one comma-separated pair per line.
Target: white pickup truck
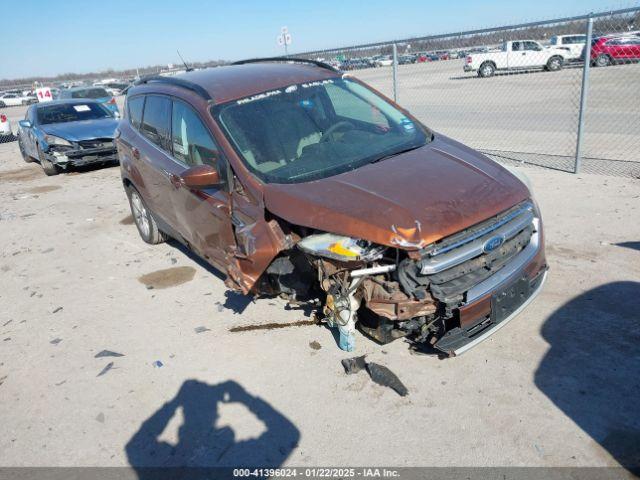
x,y
516,55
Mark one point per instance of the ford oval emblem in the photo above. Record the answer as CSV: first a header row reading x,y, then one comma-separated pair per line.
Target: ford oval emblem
x,y
491,244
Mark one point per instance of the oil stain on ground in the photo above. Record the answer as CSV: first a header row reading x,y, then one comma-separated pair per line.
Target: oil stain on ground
x,y
22,174
273,326
128,220
169,277
44,189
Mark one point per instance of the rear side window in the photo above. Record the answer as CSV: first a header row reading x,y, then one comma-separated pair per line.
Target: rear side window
x,y
135,106
192,142
155,121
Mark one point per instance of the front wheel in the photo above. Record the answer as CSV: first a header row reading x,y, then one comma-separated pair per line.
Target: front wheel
x,y
146,224
554,64
603,61
50,168
487,69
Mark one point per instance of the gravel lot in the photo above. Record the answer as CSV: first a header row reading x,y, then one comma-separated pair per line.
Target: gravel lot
x,y
557,387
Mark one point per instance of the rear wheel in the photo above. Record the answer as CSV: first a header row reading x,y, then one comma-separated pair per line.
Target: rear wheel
x,y
2,104
603,61
25,157
554,64
146,224
487,69
50,169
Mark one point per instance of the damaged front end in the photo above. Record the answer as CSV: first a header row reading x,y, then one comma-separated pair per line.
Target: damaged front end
x,y
448,295
64,153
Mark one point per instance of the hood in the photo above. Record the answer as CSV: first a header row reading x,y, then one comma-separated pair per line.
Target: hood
x,y
407,201
84,130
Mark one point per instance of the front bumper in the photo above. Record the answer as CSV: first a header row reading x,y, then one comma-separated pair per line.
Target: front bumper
x,y
493,303
82,157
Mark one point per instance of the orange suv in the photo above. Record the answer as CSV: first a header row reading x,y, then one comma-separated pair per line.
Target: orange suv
x,y
295,179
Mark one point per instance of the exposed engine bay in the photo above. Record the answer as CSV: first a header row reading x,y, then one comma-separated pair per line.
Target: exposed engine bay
x,y
396,292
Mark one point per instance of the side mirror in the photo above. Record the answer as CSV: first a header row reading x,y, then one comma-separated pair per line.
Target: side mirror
x,y
201,176
24,123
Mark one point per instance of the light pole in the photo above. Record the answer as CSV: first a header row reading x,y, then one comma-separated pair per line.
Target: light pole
x,y
284,39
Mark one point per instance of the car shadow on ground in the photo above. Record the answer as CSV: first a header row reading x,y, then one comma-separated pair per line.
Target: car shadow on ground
x,y
592,369
201,443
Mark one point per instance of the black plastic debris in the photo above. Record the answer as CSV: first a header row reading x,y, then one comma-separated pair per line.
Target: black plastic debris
x,y
57,310
385,377
55,341
201,329
378,373
108,353
105,369
354,365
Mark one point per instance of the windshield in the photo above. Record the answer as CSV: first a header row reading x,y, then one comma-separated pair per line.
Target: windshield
x,y
90,93
315,130
73,112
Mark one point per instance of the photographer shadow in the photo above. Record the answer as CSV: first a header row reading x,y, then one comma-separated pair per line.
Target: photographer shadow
x,y
591,369
201,444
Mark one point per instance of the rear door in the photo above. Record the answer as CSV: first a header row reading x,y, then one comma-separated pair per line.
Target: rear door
x,y
202,216
154,160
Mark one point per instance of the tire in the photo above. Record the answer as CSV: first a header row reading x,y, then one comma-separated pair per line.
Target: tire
x,y
487,69
142,217
25,157
555,63
602,61
2,105
50,169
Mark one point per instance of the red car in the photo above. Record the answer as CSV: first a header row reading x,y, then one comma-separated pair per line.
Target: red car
x,y
610,50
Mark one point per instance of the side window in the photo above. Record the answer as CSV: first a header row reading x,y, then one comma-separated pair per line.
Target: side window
x,y
516,46
155,121
192,143
531,46
135,106
353,107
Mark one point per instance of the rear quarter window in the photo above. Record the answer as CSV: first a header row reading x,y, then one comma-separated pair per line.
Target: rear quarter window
x,y
156,120
135,106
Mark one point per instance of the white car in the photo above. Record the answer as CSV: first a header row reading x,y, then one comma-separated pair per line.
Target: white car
x,y
5,127
13,99
572,44
516,55
385,61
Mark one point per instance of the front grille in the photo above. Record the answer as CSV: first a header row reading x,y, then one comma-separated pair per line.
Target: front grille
x,y
97,143
457,263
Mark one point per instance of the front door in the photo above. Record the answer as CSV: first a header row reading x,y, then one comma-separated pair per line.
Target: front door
x,y
203,216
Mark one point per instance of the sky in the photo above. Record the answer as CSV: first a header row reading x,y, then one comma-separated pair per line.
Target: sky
x,y
86,35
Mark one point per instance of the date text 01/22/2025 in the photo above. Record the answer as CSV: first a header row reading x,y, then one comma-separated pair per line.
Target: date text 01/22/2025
x,y
316,472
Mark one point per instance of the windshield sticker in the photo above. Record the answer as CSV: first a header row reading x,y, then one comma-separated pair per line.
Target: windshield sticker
x,y
259,96
319,83
82,108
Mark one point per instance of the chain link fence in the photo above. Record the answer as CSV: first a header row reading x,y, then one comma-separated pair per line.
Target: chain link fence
x,y
521,94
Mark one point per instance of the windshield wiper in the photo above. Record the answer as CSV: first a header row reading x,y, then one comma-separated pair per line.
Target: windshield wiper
x,y
396,153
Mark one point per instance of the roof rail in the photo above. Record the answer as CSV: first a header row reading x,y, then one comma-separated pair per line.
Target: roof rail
x,y
317,63
178,82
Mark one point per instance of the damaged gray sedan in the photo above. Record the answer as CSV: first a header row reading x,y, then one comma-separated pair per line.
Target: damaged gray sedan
x,y
67,133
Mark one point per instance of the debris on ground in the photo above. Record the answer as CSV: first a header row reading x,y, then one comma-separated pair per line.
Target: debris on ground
x,y
158,364
315,345
100,417
105,369
385,377
201,329
108,353
354,365
55,341
378,373
57,310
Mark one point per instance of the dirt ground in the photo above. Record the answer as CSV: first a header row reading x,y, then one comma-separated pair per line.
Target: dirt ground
x,y
114,352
